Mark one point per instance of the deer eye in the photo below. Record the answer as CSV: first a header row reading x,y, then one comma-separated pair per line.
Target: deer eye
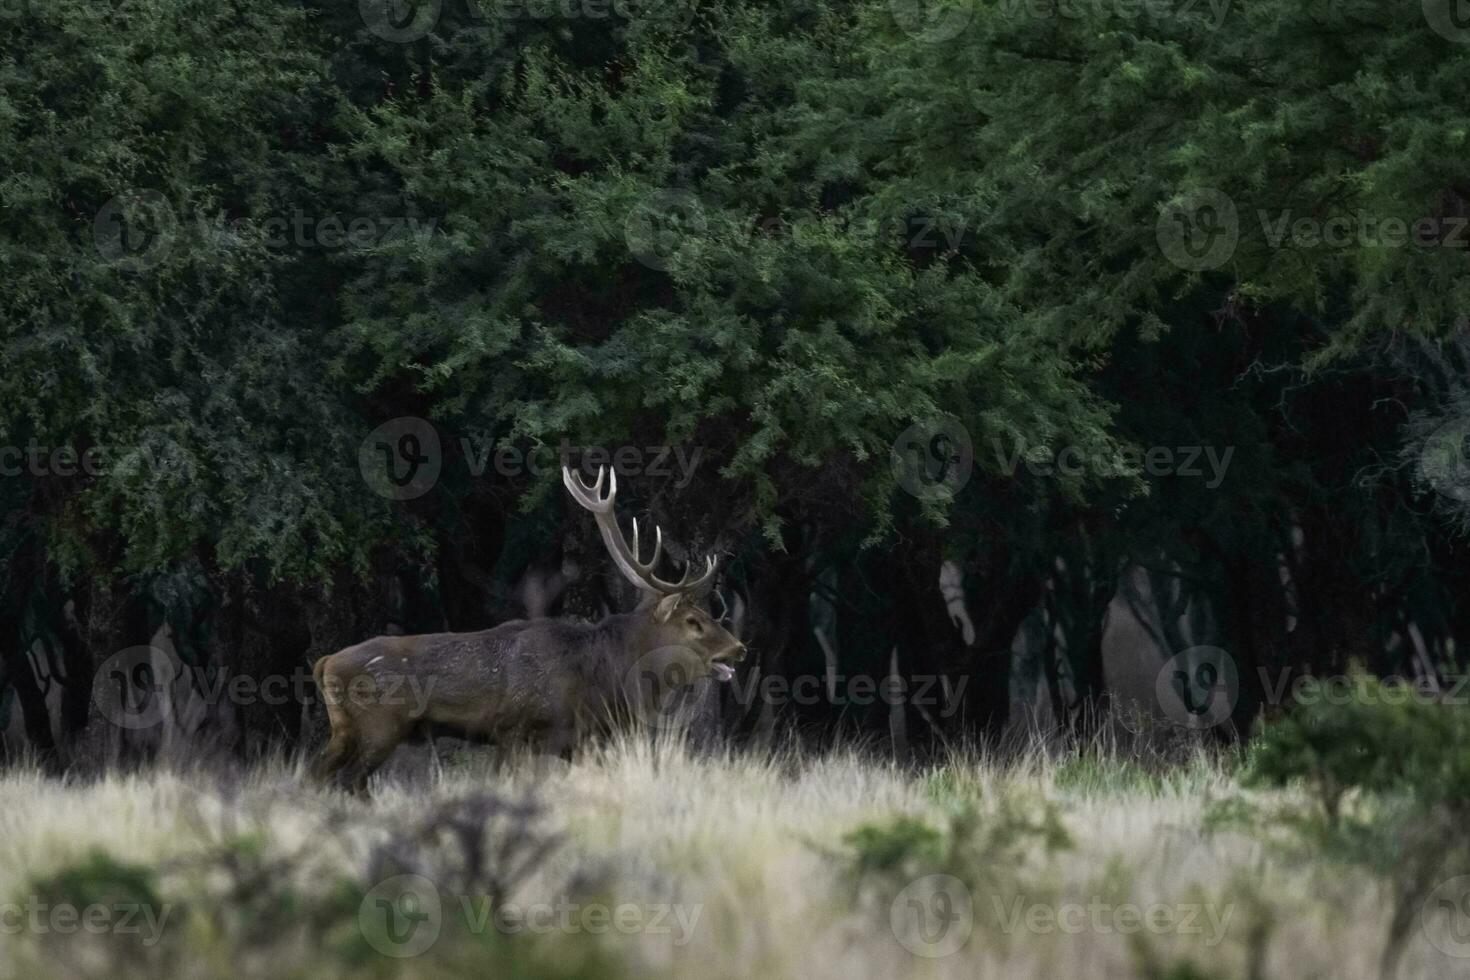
x,y
695,623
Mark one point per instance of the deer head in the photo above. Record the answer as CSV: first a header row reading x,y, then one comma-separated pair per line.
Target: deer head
x,y
675,618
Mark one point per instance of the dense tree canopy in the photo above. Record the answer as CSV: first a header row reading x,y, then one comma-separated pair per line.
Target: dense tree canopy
x,y
239,238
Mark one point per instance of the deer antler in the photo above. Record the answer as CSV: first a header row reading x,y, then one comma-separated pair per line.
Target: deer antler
x,y
624,556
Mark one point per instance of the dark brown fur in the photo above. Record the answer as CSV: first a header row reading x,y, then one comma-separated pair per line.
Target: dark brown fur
x,y
548,680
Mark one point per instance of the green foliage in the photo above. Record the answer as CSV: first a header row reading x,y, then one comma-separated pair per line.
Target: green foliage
x,y
1230,813
184,363
780,234
1405,758
1382,738
99,879
245,901
860,229
979,848
884,848
952,787
119,915
791,327
1088,775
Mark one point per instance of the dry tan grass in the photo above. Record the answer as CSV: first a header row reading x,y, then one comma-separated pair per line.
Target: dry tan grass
x,y
750,850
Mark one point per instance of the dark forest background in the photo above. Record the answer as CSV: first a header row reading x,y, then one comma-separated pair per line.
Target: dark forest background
x,y
780,234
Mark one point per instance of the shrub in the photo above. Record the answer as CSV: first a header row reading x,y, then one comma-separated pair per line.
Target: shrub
x,y
1382,738
972,846
1407,759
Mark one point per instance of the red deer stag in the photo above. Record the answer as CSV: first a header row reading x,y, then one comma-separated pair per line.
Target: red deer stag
x,y
549,679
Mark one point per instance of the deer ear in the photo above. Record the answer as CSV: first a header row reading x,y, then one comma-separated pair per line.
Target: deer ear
x,y
666,606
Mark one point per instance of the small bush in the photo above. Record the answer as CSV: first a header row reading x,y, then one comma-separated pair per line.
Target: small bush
x,y
1405,760
115,918
99,879
1381,739
973,847
884,848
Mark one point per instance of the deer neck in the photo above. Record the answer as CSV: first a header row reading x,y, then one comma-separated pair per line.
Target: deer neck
x,y
633,633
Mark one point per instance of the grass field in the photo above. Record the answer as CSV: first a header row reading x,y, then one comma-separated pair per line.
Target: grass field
x,y
645,859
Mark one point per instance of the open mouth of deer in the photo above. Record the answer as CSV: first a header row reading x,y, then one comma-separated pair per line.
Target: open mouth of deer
x,y
721,670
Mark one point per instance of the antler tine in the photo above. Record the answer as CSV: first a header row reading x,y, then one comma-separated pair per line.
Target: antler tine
x,y
699,583
628,559
687,585
590,497
658,547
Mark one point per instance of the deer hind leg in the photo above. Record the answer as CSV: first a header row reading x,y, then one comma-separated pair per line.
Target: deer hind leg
x,y
342,747
377,738
338,753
